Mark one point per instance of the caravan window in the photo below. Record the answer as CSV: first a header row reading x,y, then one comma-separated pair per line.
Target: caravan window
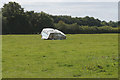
x,y
44,34
58,34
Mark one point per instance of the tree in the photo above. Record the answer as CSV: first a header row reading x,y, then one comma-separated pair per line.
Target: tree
x,y
61,26
32,19
15,18
113,24
104,23
12,9
44,21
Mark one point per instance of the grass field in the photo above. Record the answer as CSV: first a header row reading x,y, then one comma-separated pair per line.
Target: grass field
x,y
80,55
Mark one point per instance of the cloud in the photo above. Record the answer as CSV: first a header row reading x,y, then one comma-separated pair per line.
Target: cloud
x,y
2,2
103,11
22,1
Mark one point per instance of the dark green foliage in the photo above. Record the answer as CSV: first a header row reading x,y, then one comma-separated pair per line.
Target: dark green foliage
x,y
16,21
45,21
76,29
113,24
85,21
38,21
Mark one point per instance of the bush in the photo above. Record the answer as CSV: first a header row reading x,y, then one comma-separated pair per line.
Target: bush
x,y
76,29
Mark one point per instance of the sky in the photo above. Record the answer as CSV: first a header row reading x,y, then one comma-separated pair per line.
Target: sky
x,y
102,9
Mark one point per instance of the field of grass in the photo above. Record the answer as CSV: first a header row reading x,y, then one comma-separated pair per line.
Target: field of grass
x,y
80,55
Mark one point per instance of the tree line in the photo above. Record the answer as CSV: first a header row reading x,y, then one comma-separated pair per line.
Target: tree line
x,y
17,21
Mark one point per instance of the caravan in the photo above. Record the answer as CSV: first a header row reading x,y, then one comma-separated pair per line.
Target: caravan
x,y
52,34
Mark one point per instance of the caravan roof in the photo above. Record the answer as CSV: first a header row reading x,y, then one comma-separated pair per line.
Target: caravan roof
x,y
50,30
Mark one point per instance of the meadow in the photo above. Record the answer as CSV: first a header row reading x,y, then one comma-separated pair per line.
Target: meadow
x,y
80,55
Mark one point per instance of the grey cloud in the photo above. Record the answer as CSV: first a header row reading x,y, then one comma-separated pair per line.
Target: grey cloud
x,y
104,11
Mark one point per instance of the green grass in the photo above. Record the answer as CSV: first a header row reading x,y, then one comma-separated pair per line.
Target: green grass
x,y
80,55
0,57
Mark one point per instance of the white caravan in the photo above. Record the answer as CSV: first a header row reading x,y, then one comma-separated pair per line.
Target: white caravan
x,y
52,34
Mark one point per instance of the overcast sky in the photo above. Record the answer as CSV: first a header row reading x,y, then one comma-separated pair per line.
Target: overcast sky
x,y
103,9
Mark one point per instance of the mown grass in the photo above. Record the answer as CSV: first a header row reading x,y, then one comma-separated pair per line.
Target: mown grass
x,y
80,55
